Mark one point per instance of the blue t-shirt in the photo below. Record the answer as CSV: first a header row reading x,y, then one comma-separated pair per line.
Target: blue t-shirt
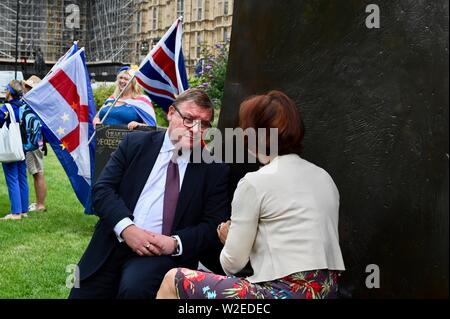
x,y
4,114
120,115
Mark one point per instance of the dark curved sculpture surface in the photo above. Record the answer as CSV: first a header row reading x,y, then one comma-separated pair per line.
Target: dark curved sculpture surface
x,y
375,104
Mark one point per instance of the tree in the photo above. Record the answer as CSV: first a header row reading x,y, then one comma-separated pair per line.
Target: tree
x,y
213,73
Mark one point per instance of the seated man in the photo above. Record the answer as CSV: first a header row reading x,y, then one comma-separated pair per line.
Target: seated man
x,y
157,209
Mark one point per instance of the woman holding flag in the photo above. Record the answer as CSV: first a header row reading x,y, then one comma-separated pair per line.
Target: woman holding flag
x,y
132,108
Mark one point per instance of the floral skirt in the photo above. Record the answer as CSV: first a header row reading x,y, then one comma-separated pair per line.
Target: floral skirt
x,y
316,284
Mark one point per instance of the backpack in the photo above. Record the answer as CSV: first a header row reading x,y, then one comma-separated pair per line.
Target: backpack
x,y
30,129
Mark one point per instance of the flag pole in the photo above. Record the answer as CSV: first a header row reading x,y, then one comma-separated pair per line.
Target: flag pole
x,y
51,70
112,105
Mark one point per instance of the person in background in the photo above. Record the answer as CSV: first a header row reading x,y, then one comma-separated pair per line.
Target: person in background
x,y
284,220
15,172
35,161
126,110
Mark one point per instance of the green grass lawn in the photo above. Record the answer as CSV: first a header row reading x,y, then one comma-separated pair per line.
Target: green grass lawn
x,y
34,252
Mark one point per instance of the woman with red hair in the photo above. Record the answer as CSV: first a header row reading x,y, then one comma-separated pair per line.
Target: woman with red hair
x,y
284,220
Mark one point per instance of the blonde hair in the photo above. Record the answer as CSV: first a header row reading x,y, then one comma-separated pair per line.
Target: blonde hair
x,y
135,88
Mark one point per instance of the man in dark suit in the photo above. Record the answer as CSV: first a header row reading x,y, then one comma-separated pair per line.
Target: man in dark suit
x,y
158,209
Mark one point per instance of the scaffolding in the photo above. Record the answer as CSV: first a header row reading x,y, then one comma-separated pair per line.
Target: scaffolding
x,y
110,26
42,27
105,29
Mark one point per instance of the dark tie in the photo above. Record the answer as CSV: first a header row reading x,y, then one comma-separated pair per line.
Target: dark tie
x,y
170,196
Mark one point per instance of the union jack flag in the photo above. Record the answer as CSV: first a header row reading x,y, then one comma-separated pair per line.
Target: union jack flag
x,y
162,74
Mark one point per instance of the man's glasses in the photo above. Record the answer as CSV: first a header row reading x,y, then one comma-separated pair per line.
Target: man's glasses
x,y
190,123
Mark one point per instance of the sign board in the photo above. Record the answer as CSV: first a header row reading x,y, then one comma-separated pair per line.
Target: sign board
x,y
108,138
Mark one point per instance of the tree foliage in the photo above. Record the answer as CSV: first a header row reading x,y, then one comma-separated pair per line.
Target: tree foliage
x,y
101,93
213,73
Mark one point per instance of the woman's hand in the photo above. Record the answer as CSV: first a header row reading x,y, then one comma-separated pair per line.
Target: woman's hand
x,y
222,231
96,121
133,124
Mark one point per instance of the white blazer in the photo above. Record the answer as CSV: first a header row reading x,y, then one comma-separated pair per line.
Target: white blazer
x,y
284,220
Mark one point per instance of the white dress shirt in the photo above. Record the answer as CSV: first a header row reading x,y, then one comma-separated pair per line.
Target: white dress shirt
x,y
148,213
